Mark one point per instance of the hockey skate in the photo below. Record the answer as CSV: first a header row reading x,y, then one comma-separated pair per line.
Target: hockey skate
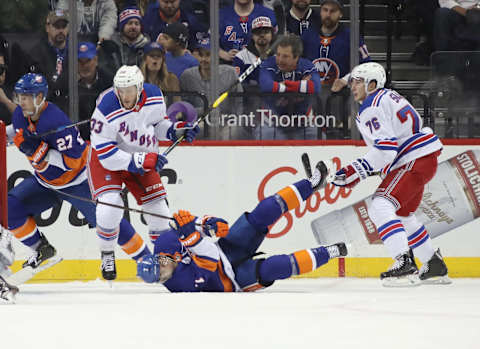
x,y
337,250
403,273
109,270
7,291
43,252
434,272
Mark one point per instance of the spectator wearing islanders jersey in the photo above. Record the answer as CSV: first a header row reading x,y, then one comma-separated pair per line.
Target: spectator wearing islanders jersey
x,y
236,26
163,13
285,72
301,17
328,45
262,37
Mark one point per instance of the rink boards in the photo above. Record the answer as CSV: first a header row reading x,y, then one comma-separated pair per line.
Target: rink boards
x,y
228,178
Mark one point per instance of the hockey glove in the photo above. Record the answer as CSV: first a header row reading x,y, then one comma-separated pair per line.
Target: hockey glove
x,y
181,128
350,175
184,225
31,145
144,162
214,226
148,268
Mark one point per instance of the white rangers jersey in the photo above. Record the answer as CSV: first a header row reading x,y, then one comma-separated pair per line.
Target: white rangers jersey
x,y
393,131
116,133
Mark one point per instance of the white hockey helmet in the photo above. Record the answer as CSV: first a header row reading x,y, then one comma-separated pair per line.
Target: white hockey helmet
x,y
126,76
370,71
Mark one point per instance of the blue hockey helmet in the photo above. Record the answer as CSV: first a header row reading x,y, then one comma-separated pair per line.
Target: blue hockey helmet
x,y
32,84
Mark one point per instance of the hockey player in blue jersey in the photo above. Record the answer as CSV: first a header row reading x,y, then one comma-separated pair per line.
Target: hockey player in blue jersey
x,y
187,260
59,161
236,26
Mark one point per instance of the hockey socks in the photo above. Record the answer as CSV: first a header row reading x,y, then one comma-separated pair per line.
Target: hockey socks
x,y
131,242
271,208
28,233
284,266
394,238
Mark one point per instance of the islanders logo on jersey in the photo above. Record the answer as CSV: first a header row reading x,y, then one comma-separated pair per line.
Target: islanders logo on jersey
x,y
327,69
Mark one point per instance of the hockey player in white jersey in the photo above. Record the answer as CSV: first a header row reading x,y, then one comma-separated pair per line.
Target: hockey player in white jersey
x,y
129,120
406,154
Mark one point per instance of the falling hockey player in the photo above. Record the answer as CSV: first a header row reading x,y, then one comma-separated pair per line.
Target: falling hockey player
x,y
406,154
59,160
187,260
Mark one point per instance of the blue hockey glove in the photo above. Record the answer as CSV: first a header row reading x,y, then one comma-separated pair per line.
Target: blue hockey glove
x,y
215,226
148,269
180,128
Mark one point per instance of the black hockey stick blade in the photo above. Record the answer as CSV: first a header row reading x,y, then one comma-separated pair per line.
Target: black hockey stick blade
x,y
306,165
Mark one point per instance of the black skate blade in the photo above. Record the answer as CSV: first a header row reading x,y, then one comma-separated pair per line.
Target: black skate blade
x,y
437,280
25,274
404,281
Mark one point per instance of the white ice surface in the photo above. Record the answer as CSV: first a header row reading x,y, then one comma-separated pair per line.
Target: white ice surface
x,y
305,313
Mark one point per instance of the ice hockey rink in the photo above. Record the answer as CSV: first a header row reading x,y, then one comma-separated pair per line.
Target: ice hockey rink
x,y
311,313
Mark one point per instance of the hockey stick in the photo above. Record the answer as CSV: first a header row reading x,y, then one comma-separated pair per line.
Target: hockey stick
x,y
224,95
322,169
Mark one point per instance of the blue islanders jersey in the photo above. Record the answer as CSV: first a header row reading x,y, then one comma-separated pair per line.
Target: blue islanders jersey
x,y
65,163
272,79
202,266
235,30
331,54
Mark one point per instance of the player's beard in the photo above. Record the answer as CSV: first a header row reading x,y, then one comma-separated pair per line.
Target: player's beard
x,y
59,39
132,34
328,23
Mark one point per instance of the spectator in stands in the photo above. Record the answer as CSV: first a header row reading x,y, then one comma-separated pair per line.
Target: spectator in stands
x,y
457,25
328,46
236,26
7,106
420,13
154,69
126,46
92,80
301,17
288,72
97,19
49,57
166,12
197,79
262,37
175,39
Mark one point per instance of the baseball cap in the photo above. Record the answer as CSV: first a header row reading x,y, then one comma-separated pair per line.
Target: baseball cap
x,y
336,2
261,22
153,46
58,15
178,32
87,50
203,43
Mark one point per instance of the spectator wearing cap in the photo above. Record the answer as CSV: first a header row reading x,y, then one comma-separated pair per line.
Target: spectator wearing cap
x,y
236,26
6,104
49,57
328,45
175,40
97,19
262,37
163,13
126,46
285,72
197,79
155,71
301,17
92,80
